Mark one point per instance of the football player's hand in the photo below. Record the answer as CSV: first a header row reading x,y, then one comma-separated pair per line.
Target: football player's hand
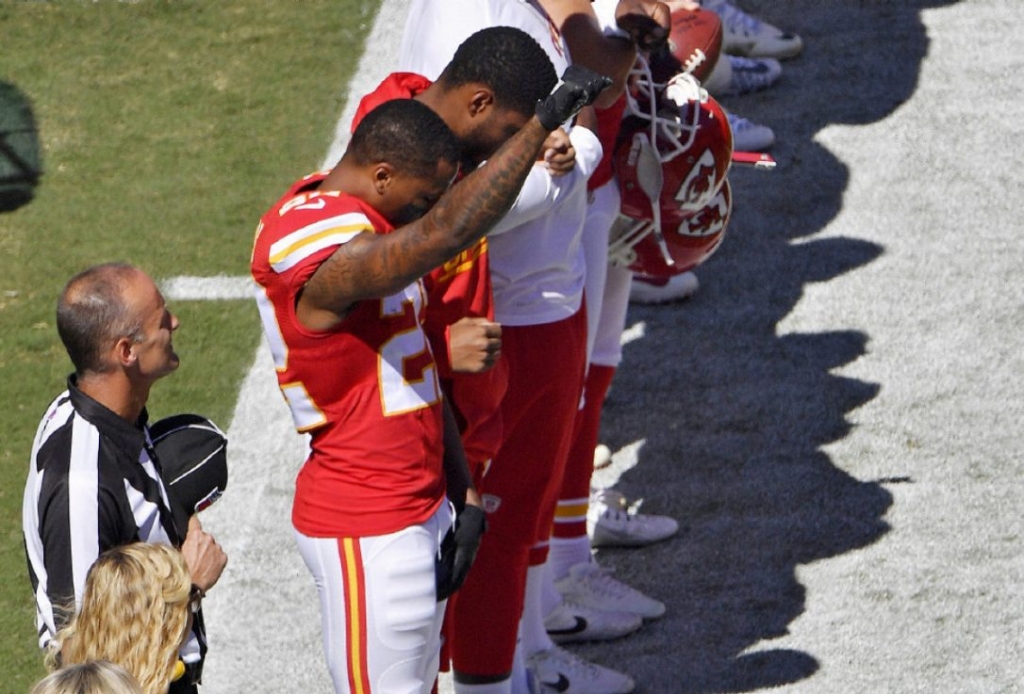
x,y
559,154
474,344
647,22
459,550
577,88
204,557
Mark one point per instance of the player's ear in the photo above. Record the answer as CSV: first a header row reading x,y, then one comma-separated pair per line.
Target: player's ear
x,y
383,174
480,100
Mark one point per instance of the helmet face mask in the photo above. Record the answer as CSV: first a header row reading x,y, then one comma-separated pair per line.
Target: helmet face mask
x,y
665,107
672,159
687,241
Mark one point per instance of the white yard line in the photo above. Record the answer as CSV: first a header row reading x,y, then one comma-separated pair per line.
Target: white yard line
x,y
188,288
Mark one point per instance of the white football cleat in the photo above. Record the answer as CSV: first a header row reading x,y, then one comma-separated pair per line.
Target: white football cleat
x,y
592,585
734,75
613,522
748,136
571,622
558,670
745,35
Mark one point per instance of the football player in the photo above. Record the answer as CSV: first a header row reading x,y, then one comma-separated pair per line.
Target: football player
x,y
338,261
538,272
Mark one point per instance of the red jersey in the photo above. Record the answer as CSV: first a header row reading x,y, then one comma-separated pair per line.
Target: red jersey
x,y
366,390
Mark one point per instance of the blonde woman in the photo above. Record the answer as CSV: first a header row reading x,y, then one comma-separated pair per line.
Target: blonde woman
x,y
136,612
94,677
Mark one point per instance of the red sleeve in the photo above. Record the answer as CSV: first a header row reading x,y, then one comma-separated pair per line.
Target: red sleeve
x,y
608,122
459,288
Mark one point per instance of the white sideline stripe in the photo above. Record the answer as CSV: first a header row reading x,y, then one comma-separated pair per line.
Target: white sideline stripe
x,y
189,288
373,67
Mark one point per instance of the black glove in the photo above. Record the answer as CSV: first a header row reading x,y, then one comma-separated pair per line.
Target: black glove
x,y
458,550
578,88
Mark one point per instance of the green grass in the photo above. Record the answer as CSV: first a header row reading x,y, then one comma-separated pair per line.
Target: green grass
x,y
167,129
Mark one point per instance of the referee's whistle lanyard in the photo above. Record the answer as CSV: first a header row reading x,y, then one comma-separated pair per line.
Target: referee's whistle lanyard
x,y
165,509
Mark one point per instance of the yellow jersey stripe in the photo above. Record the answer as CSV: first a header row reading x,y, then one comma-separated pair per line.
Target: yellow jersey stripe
x,y
293,248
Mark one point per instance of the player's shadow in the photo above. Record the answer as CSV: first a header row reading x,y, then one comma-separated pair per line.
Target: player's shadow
x,y
736,416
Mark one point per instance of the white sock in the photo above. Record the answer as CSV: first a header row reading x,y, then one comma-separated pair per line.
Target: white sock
x,y
532,635
567,552
520,678
550,598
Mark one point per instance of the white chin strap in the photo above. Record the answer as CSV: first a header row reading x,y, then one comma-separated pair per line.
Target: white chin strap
x,y
651,178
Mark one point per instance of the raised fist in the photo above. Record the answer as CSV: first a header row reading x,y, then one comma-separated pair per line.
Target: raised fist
x,y
647,22
577,88
474,344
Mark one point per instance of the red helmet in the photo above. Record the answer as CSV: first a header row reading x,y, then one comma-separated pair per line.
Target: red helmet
x,y
681,127
694,46
671,160
688,240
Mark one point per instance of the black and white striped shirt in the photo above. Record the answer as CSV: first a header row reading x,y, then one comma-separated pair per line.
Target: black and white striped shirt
x,y
93,484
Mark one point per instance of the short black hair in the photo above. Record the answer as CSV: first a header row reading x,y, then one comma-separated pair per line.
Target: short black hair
x,y
92,311
406,134
506,60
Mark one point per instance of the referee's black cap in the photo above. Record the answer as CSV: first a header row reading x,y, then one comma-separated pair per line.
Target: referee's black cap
x,y
192,452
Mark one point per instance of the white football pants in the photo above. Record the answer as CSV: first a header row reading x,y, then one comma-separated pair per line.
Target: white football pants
x,y
378,605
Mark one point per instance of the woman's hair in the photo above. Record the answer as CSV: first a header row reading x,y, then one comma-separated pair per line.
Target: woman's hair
x,y
135,613
94,677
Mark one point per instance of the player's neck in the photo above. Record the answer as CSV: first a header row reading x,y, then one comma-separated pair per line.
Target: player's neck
x,y
348,178
433,98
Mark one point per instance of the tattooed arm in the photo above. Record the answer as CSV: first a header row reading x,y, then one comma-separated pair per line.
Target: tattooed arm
x,y
375,265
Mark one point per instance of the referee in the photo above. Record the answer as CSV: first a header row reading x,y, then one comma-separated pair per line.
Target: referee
x,y
94,480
